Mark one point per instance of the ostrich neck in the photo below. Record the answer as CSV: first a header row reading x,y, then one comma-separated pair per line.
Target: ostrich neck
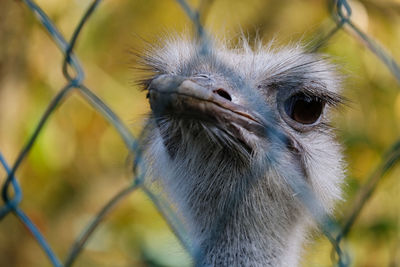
x,y
237,217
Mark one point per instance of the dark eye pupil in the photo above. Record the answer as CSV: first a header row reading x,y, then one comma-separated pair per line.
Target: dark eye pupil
x,y
304,109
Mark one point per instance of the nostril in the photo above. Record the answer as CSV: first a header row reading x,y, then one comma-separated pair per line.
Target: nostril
x,y
221,92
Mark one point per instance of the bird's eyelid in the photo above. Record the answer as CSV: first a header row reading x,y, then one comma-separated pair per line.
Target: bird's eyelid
x,y
328,97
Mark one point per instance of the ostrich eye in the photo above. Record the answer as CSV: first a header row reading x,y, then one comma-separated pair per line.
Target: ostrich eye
x,y
304,109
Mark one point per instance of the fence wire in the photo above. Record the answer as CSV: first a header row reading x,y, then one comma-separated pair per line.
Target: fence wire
x,y
75,78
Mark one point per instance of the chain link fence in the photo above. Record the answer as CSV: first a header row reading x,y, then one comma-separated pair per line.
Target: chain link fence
x,y
12,192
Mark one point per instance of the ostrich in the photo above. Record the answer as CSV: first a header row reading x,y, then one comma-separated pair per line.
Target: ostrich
x,y
210,144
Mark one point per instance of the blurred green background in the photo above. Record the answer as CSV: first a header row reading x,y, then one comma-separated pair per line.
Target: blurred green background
x,y
79,161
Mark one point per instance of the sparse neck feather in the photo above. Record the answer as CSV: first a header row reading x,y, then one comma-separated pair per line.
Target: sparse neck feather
x,y
236,215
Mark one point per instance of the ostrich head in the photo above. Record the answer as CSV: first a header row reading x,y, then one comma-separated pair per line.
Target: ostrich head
x,y
230,128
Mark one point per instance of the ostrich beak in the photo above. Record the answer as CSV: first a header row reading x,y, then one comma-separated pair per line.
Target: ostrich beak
x,y
177,96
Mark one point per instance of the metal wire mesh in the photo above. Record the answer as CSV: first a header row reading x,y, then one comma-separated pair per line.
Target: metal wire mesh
x,y
74,74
